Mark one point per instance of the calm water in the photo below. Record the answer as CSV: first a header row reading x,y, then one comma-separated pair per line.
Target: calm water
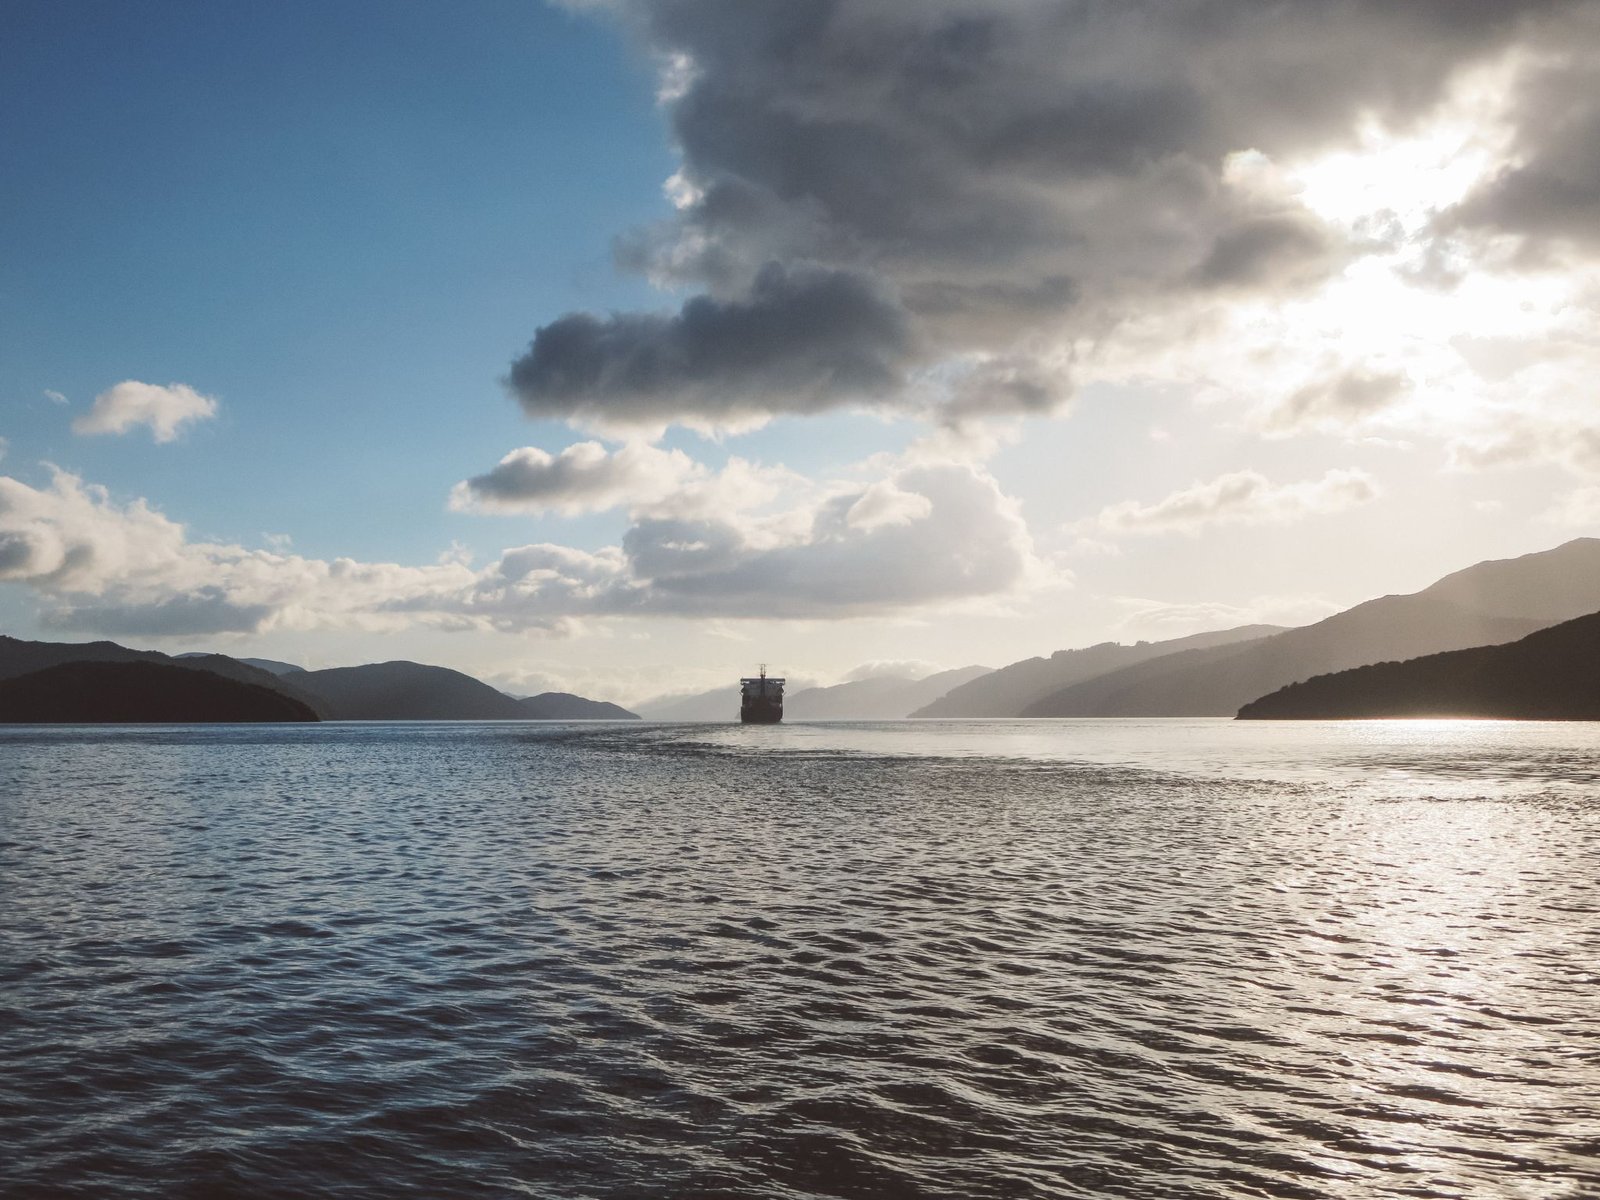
x,y
967,959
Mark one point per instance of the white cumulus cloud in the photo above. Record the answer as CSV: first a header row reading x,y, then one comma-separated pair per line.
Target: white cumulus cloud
x,y
165,410
582,478
885,504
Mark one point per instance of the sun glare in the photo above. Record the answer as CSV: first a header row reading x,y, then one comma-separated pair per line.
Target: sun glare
x,y
1408,177
1446,315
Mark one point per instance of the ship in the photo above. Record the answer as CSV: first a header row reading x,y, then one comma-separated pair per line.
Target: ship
x,y
761,699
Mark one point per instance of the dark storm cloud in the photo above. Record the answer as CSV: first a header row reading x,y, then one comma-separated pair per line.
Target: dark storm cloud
x,y
1012,173
814,337
1269,249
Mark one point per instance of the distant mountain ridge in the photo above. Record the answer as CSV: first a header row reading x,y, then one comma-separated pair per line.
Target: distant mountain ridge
x,y
713,704
1491,603
1550,585
1011,690
1539,589
881,698
1552,674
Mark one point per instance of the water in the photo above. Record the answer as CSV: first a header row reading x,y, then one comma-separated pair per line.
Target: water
x,y
964,959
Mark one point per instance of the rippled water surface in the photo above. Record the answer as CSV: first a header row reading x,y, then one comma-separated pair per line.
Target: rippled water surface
x,y
965,959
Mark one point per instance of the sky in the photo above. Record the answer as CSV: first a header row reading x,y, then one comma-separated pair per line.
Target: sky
x,y
617,346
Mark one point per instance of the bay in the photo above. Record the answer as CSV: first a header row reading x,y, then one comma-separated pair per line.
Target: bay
x,y
962,959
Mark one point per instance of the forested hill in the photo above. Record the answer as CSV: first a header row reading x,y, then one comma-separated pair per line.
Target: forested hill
x,y
1551,675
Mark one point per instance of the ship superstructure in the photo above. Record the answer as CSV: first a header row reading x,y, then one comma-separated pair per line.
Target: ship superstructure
x,y
761,699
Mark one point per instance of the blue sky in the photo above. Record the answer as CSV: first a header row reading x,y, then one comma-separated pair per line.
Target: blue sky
x,y
1133,348
340,220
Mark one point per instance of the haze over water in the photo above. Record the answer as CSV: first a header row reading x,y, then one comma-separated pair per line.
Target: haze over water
x,y
963,959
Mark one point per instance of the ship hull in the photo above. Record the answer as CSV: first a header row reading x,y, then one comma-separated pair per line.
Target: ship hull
x,y
761,714
761,699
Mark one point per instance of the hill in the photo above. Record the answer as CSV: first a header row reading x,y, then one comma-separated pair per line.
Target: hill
x,y
1550,675
1550,585
93,692
1012,689
564,706
395,691
18,657
1533,591
406,691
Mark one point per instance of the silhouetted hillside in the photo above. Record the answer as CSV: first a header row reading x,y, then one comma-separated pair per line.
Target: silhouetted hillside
x,y
564,706
86,691
1011,690
393,691
19,657
1551,675
233,668
1441,617
407,691
1213,683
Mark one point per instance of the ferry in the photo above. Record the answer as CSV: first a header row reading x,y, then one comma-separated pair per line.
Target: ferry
x,y
761,699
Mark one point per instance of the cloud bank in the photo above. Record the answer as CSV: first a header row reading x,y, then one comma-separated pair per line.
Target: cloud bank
x,y
924,534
